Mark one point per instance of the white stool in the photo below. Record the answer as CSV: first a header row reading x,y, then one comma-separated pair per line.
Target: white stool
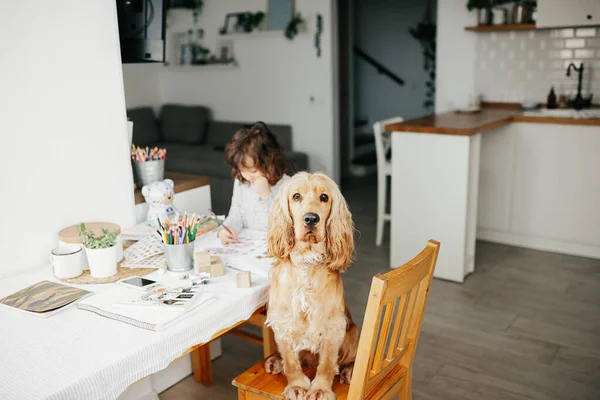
x,y
383,143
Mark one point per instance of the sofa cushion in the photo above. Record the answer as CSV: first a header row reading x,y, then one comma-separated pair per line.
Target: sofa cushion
x,y
219,133
183,124
145,128
200,160
296,162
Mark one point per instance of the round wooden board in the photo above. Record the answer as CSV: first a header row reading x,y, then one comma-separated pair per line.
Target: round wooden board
x,y
86,279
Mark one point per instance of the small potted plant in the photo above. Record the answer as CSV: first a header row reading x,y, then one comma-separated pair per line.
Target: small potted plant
x,y
101,251
484,9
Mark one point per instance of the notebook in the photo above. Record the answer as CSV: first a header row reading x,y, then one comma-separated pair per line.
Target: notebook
x,y
44,299
113,304
173,299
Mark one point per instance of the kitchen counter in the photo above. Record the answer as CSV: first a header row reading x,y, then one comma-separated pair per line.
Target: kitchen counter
x,y
453,123
502,175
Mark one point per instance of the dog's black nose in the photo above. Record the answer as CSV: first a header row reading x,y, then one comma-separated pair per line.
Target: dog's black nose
x,y
311,219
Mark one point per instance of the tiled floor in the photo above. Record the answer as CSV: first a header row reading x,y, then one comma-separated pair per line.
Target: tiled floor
x,y
526,325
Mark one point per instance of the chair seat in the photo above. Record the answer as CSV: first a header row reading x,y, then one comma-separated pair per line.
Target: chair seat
x,y
260,385
263,385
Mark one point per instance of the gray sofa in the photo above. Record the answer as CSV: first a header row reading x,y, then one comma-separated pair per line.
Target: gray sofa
x,y
196,143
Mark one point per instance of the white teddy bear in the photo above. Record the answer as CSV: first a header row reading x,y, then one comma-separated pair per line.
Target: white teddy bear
x,y
159,196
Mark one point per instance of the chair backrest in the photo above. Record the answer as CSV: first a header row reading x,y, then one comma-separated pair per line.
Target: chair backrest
x,y
391,327
383,143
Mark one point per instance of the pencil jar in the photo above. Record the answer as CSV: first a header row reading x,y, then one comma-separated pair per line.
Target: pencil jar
x,y
147,172
180,257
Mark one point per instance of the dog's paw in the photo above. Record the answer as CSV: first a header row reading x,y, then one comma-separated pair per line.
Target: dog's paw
x,y
346,374
297,389
274,364
320,394
294,393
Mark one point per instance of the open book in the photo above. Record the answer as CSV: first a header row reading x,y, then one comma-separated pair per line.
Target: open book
x,y
248,254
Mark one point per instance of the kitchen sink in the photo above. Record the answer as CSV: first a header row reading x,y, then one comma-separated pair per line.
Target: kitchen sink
x,y
562,113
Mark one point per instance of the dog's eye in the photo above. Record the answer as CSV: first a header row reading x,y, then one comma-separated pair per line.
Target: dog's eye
x,y
296,197
324,198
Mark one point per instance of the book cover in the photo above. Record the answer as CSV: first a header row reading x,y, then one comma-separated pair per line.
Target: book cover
x,y
44,298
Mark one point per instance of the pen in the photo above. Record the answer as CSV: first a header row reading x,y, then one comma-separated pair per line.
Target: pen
x,y
219,221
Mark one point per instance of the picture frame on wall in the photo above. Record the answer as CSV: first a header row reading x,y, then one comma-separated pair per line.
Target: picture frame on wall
x,y
231,24
279,14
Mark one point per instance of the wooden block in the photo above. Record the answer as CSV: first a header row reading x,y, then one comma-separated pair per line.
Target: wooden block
x,y
202,259
242,279
202,268
217,269
214,259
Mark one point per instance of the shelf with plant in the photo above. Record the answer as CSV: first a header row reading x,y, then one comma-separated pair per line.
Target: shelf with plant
x,y
521,14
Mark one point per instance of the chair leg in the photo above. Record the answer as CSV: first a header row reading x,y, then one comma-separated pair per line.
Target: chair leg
x,y
381,193
406,391
202,365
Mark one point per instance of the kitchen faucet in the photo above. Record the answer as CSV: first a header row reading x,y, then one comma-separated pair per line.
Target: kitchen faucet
x,y
578,103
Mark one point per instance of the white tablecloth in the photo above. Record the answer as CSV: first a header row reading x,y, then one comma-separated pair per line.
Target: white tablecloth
x,y
79,355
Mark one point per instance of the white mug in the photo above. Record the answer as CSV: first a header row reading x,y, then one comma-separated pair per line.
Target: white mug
x,y
67,261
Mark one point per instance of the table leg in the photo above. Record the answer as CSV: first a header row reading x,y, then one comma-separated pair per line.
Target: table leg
x,y
269,345
202,366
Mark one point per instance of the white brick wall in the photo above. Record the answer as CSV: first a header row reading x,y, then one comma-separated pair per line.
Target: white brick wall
x,y
518,66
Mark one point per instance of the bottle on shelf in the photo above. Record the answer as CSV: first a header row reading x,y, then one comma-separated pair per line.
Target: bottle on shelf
x,y
551,102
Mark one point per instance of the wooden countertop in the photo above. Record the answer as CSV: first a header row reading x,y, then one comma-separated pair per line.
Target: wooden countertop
x,y
452,123
183,182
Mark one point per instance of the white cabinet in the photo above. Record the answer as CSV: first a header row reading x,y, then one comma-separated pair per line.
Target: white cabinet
x,y
539,187
564,13
556,186
496,178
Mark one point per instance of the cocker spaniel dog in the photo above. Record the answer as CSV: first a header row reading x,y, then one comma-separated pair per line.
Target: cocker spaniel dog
x,y
311,238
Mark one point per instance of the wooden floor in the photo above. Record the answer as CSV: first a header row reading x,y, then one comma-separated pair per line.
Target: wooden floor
x,y
525,325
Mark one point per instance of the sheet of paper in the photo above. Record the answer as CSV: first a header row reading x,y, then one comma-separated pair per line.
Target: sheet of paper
x,y
248,254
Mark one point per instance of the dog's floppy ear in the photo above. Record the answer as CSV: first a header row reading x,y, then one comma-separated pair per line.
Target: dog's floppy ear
x,y
280,238
340,231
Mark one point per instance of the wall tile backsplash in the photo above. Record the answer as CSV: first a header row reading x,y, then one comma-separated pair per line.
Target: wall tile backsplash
x,y
517,66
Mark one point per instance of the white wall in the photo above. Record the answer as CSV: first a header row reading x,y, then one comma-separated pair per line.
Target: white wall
x,y
274,82
381,30
64,136
142,87
455,64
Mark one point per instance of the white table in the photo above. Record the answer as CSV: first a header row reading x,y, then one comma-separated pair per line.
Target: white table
x,y
77,354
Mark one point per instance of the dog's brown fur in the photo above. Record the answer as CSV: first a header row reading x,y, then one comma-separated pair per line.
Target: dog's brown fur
x,y
307,311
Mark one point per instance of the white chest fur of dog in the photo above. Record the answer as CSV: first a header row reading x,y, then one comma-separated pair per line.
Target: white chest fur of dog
x,y
302,317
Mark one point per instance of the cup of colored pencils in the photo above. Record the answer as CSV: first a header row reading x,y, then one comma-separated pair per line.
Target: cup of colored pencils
x,y
178,242
148,164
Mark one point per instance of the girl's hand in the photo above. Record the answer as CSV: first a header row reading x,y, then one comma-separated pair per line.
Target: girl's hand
x,y
262,187
227,237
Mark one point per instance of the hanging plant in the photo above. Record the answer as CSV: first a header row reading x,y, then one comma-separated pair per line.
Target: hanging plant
x,y
249,21
425,33
291,30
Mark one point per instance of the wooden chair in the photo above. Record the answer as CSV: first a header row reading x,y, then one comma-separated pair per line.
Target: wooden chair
x,y
383,144
386,350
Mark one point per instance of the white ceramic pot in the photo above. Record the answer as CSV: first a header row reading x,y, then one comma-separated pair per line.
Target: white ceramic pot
x,y
103,262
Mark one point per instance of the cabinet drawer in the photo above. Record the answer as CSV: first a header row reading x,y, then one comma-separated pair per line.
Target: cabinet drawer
x,y
561,13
